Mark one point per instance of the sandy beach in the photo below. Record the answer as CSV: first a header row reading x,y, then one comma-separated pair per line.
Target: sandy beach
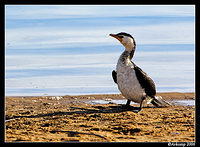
x,y
76,119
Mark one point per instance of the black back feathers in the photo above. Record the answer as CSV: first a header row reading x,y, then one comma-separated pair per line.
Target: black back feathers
x,y
145,81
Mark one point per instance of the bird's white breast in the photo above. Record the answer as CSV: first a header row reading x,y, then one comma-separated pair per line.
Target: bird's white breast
x,y
128,83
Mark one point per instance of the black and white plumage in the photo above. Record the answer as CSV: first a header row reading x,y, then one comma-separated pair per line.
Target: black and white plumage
x,y
134,84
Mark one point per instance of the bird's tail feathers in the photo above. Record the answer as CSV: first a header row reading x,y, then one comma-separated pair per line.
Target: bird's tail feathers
x,y
159,100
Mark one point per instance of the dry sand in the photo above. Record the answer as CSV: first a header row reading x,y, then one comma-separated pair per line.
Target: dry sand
x,y
72,118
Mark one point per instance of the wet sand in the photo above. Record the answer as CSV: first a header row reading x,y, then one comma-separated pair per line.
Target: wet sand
x,y
73,118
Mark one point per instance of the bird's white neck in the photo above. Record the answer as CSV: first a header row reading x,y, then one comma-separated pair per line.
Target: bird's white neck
x,y
129,46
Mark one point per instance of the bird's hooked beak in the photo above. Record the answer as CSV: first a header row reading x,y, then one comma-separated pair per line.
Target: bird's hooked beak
x,y
117,37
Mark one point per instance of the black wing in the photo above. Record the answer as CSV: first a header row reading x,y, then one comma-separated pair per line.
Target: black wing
x,y
114,75
145,81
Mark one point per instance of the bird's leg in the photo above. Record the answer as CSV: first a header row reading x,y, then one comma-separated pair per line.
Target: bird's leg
x,y
140,108
154,103
127,104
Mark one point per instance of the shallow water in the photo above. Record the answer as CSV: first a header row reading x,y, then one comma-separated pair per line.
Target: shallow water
x,y
184,102
176,102
30,74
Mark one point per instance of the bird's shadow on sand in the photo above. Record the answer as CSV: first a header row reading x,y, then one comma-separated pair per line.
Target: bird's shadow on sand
x,y
78,110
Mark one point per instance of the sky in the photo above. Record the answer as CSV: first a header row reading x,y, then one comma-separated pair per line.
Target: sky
x,y
50,48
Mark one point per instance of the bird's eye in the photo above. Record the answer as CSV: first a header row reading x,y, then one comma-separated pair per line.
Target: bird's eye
x,y
121,36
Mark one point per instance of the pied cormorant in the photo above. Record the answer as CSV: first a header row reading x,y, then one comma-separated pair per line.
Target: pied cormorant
x,y
134,84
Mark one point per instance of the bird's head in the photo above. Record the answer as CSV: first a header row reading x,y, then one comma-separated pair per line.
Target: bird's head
x,y
126,40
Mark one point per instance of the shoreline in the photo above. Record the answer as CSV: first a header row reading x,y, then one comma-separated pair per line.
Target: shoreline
x,y
72,118
81,95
